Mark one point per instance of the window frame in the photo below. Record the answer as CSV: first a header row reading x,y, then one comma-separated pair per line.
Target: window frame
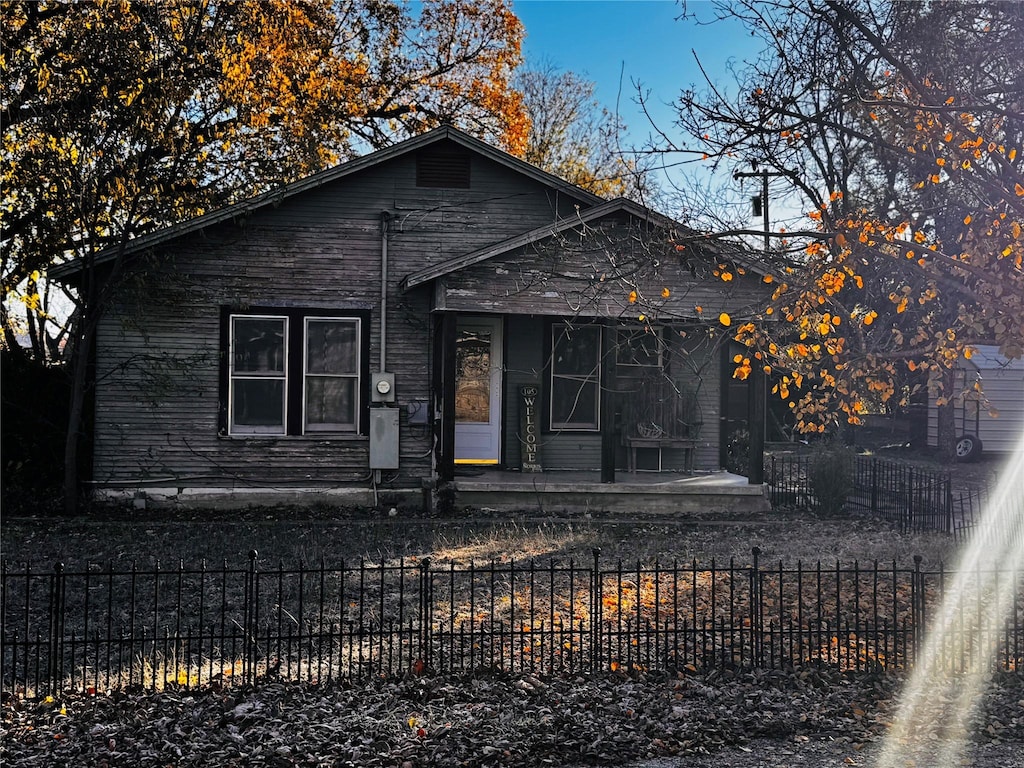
x,y
306,375
234,377
556,330
295,370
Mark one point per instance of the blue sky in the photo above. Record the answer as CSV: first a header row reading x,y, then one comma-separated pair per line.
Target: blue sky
x,y
617,42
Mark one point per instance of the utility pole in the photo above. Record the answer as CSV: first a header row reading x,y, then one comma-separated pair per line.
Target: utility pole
x,y
757,393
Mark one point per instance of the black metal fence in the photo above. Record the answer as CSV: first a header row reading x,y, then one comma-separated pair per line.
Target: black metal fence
x,y
101,628
913,499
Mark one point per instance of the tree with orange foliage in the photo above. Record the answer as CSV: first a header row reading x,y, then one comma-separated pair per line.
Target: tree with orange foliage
x,y
122,117
901,125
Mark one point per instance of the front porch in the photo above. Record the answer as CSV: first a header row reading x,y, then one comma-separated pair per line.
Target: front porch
x,y
580,492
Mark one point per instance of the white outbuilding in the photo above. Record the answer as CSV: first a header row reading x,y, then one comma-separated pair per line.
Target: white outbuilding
x,y
989,407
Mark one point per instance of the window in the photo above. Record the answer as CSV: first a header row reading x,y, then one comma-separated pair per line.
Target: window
x,y
575,377
291,372
332,374
259,382
639,347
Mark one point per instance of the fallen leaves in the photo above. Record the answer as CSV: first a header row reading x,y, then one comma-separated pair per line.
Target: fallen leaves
x,y
480,720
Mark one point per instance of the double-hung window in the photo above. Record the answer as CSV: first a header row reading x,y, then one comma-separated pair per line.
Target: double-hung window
x,y
331,374
259,375
575,377
291,372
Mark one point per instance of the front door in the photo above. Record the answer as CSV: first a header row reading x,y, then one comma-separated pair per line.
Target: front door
x,y
478,390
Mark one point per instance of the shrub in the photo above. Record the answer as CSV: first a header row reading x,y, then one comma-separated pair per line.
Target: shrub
x,y
737,453
830,475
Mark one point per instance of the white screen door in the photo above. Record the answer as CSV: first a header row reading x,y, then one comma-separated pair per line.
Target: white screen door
x,y
478,390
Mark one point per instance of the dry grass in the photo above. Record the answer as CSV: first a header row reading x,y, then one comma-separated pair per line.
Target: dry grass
x,y
288,536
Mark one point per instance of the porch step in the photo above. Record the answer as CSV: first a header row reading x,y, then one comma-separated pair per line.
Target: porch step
x,y
547,493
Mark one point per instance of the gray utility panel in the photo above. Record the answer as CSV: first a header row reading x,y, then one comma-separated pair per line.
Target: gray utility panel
x,y
384,438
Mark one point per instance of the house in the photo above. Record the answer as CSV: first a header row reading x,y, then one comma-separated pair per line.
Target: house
x,y
420,319
988,411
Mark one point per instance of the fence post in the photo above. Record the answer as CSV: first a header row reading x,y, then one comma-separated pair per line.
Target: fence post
x,y
756,608
55,613
917,601
249,621
426,613
596,607
874,486
948,503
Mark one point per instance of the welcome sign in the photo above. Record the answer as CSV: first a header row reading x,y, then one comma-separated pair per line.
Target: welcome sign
x,y
529,428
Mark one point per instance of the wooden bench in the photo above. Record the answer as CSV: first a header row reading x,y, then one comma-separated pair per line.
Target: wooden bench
x,y
657,414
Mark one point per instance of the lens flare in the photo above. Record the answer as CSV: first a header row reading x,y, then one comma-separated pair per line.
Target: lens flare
x,y
932,724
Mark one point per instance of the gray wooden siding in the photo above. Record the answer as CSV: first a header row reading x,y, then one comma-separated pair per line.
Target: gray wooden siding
x,y
595,282
158,348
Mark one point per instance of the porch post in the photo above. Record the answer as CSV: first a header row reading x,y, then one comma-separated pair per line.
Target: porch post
x,y
756,393
444,396
609,442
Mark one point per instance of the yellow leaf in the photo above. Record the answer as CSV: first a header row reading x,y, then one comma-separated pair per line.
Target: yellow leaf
x,y
967,219
1019,190
665,293
724,319
632,297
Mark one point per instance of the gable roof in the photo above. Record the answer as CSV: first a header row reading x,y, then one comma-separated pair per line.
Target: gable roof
x,y
586,216
319,179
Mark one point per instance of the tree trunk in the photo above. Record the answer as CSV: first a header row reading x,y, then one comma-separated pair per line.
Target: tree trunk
x,y
946,415
79,363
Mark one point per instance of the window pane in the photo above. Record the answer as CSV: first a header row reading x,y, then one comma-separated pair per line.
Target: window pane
x,y
258,344
332,346
330,402
577,351
574,402
258,406
639,348
473,376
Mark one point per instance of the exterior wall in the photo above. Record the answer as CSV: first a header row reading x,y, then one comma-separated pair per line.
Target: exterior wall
x,y
158,348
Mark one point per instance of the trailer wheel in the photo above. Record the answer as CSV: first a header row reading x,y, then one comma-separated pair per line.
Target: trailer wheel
x,y
968,448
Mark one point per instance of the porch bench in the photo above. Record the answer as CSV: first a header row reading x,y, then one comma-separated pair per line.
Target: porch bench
x,y
687,444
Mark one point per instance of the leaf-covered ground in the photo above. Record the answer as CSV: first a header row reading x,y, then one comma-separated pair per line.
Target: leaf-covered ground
x,y
291,535
809,718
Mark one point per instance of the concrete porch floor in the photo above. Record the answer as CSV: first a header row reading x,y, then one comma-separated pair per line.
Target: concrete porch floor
x,y
581,492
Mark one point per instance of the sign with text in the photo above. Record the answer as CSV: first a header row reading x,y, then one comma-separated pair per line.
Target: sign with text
x,y
529,427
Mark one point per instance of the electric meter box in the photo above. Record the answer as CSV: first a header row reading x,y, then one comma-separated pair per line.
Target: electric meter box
x,y
382,387
384,438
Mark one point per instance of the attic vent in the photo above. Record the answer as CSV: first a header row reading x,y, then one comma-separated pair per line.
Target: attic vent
x,y
442,169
